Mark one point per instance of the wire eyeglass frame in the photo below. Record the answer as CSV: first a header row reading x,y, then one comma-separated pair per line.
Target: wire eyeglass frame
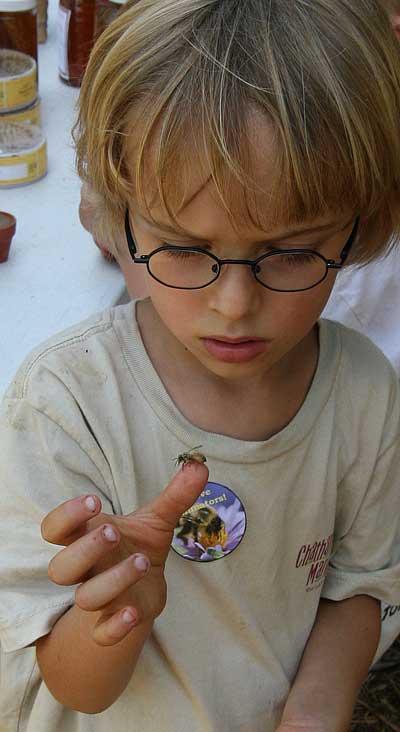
x,y
253,263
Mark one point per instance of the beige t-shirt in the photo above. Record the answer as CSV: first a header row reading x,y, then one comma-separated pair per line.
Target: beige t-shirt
x,y
87,412
367,298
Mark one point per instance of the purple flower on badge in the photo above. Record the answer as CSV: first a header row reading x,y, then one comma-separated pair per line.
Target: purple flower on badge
x,y
207,535
234,519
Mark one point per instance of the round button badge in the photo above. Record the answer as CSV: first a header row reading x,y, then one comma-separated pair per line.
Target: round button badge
x,y
213,527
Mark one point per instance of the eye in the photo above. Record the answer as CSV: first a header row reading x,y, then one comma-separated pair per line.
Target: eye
x,y
180,253
299,259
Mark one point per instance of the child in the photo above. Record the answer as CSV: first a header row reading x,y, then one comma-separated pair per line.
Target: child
x,y
250,150
365,298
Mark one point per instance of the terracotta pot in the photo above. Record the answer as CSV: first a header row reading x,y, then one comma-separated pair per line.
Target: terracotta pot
x,y
8,225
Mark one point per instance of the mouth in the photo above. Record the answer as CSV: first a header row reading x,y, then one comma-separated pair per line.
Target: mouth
x,y
235,350
240,339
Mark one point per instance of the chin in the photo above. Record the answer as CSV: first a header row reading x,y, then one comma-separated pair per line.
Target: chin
x,y
237,371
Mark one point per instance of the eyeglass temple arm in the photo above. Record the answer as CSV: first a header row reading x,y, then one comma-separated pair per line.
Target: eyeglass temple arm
x,y
346,249
131,241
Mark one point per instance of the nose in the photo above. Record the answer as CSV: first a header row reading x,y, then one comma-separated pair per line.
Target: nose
x,y
236,293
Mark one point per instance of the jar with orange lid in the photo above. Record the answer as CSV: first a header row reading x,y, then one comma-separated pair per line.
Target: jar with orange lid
x,y
75,38
18,26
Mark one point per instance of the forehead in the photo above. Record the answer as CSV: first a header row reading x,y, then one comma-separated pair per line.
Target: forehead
x,y
188,189
204,219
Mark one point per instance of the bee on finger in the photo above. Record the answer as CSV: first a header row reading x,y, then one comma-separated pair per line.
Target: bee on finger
x,y
191,456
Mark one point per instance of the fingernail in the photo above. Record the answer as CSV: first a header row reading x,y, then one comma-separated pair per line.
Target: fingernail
x,y
141,563
128,617
189,465
109,533
90,503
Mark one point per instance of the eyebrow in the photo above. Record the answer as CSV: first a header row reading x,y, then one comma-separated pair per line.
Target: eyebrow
x,y
294,232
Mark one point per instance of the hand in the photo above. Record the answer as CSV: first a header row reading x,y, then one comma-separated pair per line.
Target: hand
x,y
125,574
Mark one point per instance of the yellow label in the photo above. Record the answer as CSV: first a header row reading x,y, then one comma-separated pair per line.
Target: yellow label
x,y
31,115
23,168
18,91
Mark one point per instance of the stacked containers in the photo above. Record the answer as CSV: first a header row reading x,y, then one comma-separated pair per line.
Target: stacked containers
x,y
23,154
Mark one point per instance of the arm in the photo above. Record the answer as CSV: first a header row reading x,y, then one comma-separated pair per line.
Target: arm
x,y
89,656
335,662
78,672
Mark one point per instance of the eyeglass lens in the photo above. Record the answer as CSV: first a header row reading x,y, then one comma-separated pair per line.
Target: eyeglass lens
x,y
285,272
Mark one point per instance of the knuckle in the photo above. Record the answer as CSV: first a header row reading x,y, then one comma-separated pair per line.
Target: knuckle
x,y
107,633
82,599
53,574
61,571
100,639
44,530
159,606
118,579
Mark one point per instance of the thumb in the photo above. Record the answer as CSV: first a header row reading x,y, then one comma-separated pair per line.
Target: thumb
x,y
181,493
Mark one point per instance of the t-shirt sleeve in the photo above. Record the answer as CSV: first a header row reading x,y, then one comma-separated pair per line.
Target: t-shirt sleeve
x,y
366,549
48,454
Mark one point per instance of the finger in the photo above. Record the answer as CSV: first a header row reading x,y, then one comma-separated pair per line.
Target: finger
x,y
114,629
65,523
181,493
71,564
105,587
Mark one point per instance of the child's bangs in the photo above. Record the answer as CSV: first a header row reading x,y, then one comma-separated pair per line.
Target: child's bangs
x,y
180,154
315,112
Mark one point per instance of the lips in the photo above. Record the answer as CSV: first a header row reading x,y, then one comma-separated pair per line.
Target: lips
x,y
240,339
235,350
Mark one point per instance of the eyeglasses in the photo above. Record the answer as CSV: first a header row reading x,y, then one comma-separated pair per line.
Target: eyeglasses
x,y
281,270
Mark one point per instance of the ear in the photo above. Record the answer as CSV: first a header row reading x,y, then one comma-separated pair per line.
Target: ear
x,y
395,20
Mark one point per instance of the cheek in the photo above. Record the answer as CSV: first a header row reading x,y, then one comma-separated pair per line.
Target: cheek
x,y
179,309
304,308
136,278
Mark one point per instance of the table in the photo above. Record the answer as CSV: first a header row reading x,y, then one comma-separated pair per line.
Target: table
x,y
55,275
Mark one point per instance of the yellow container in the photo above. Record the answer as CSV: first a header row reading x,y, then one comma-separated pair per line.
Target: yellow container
x,y
30,115
23,154
18,80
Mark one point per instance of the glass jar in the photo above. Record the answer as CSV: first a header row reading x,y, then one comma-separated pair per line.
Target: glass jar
x,y
105,12
75,38
42,13
18,81
18,26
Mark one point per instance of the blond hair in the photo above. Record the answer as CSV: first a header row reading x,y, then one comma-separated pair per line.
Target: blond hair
x,y
179,79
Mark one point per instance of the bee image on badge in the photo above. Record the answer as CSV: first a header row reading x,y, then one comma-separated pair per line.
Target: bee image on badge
x,y
191,456
202,524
